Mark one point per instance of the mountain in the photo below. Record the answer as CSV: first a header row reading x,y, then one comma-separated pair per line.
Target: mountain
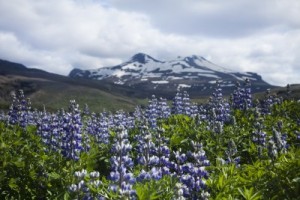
x,y
193,73
55,91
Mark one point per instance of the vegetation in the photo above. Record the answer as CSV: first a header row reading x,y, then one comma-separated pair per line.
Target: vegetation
x,y
238,149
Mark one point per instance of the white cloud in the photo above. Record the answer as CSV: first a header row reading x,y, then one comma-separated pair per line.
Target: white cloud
x,y
259,36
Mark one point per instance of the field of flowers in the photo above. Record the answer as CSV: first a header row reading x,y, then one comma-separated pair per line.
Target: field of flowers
x,y
238,148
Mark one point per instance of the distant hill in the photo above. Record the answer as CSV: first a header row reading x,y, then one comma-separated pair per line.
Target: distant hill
x,y
55,91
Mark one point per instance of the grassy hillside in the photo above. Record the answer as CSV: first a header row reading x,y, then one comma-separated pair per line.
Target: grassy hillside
x,y
55,91
283,92
55,94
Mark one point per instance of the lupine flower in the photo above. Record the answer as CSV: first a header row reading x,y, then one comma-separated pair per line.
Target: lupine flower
x,y
280,141
86,110
138,113
259,137
19,109
192,174
44,129
162,152
272,150
186,104
120,119
163,110
151,113
218,109
268,102
98,127
153,157
72,136
242,98
177,107
231,153
85,180
179,191
121,165
102,130
194,110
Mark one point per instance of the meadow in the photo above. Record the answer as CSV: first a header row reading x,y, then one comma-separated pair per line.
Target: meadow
x,y
236,148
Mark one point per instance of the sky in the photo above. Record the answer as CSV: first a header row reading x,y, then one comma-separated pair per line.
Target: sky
x,y
261,36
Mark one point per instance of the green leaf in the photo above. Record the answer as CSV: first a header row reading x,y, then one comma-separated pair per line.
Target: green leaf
x,y
296,180
54,175
248,194
19,163
32,174
66,196
13,184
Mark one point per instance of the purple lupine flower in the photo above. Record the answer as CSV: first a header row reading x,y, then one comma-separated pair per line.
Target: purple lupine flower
x,y
44,129
138,113
80,189
231,152
280,141
121,164
216,127
177,107
162,152
19,110
156,173
194,110
203,114
72,136
99,127
151,113
91,124
186,104
190,169
120,118
86,110
147,156
179,188
153,156
259,137
242,98
163,109
218,109
267,103
143,176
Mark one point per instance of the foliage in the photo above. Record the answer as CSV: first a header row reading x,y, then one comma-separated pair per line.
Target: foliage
x,y
248,155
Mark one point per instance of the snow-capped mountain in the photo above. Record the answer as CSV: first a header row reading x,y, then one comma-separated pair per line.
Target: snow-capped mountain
x,y
193,73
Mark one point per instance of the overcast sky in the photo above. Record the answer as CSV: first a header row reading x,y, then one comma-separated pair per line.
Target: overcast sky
x,y
261,36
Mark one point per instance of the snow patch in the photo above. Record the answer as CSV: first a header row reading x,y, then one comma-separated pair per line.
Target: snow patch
x,y
174,78
207,64
209,75
119,82
160,82
183,86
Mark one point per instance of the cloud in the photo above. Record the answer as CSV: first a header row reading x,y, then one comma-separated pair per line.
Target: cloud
x,y
214,18
259,36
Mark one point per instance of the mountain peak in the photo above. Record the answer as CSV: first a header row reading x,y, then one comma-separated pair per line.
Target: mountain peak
x,y
142,58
